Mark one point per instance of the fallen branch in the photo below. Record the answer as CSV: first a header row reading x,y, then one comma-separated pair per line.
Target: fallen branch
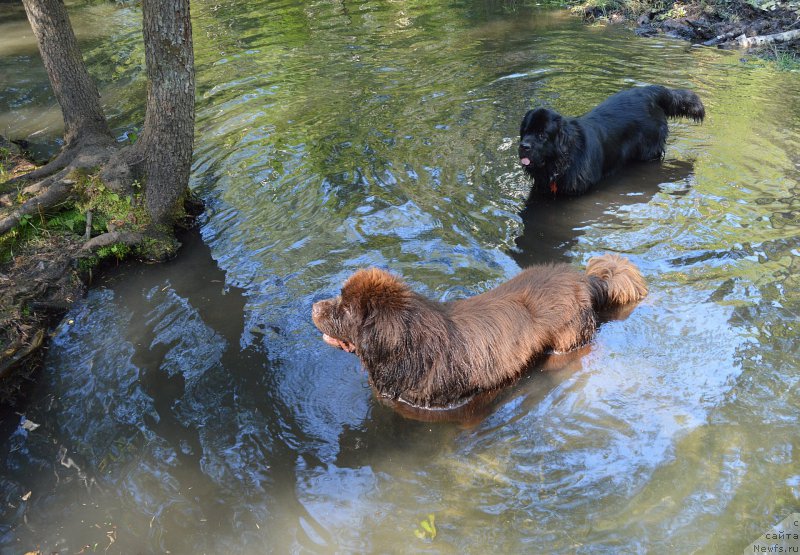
x,y
721,38
750,42
129,238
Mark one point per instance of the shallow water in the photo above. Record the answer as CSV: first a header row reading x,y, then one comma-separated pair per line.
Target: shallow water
x,y
192,407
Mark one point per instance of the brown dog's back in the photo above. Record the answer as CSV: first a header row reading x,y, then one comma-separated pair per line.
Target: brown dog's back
x,y
435,354
543,308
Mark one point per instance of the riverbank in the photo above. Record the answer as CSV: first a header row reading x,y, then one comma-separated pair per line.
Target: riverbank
x,y
769,29
48,261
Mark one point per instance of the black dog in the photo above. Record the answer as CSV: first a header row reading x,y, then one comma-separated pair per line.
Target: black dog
x,y
569,155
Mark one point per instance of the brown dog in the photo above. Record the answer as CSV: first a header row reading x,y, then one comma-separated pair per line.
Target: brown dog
x,y
434,354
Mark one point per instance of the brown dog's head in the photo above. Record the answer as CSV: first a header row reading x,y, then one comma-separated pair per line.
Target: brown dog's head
x,y
366,316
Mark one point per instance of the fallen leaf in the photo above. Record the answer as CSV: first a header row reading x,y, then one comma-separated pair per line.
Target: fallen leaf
x,y
28,425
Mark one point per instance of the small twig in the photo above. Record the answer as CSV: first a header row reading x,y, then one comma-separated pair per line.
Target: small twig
x,y
88,233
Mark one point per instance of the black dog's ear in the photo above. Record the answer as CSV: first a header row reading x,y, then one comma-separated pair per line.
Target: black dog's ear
x,y
526,121
563,138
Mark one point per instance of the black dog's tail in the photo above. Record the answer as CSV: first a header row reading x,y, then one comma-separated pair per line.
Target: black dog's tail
x,y
614,280
680,102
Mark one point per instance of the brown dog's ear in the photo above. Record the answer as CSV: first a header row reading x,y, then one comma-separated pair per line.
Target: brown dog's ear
x,y
381,301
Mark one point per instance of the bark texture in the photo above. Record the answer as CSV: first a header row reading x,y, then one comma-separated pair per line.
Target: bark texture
x,y
169,119
750,42
76,93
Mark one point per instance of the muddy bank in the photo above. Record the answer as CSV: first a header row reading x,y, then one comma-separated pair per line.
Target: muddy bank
x,y
37,286
774,27
46,263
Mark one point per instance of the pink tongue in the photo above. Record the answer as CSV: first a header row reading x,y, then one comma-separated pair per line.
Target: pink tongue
x,y
344,345
331,340
525,161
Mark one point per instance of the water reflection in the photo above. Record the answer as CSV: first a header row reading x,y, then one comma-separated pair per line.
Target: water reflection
x,y
551,226
192,407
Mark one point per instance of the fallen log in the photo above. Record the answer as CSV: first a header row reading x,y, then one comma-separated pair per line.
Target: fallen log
x,y
720,38
750,42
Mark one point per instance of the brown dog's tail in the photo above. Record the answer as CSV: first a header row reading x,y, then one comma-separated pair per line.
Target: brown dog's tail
x,y
614,280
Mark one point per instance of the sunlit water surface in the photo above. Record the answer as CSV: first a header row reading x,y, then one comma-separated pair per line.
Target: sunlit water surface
x,y
192,407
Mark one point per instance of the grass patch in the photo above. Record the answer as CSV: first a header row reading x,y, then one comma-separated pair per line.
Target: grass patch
x,y
5,159
787,61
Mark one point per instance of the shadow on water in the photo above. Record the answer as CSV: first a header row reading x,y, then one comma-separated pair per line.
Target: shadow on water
x,y
247,383
165,360
552,226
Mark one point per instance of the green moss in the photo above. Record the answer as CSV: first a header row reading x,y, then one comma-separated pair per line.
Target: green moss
x,y
110,211
161,247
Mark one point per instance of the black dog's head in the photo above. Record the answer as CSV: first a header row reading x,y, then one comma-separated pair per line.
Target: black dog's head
x,y
541,139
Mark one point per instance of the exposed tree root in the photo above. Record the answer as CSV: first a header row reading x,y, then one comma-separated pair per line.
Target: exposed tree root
x,y
12,356
41,186
123,167
130,238
56,185
58,163
55,194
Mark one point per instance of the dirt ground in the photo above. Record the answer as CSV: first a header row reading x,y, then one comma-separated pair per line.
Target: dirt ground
x,y
709,23
36,288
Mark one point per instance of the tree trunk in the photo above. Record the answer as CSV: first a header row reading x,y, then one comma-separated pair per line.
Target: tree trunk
x,y
169,118
162,156
76,93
